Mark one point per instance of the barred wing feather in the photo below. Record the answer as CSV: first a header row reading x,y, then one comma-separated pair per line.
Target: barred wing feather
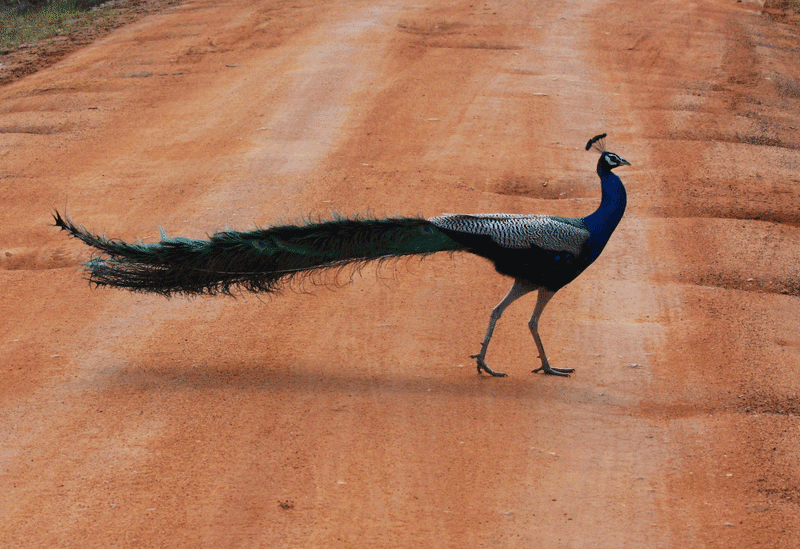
x,y
520,231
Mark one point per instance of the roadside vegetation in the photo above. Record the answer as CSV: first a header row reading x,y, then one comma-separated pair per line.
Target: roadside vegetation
x,y
789,5
27,21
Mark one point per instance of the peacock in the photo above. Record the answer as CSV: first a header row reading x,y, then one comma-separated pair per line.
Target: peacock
x,y
539,252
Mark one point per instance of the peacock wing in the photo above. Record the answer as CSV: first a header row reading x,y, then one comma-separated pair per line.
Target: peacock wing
x,y
520,231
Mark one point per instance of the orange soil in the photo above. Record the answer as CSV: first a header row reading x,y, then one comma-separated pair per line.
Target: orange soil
x,y
353,417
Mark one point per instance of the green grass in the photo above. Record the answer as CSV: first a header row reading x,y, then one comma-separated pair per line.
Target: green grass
x,y
18,27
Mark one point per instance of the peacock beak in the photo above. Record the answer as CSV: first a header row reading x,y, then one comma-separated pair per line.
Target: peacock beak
x,y
624,162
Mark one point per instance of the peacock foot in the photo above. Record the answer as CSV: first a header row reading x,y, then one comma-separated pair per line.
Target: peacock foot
x,y
483,367
547,369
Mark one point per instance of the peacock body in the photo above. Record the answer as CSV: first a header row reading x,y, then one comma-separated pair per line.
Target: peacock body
x,y
540,252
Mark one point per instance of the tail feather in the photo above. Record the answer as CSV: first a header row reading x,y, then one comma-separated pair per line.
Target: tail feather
x,y
262,260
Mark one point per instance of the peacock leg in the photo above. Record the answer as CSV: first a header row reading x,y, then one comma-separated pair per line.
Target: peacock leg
x,y
542,299
519,289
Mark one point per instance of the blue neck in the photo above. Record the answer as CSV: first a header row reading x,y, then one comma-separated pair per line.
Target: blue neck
x,y
603,221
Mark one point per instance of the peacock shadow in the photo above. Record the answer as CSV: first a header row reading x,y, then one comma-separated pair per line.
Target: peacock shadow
x,y
302,378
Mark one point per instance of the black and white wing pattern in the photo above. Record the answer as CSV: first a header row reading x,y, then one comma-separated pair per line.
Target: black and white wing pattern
x,y
520,231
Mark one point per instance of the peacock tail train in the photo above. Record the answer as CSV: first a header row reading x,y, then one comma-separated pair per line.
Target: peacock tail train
x,y
262,260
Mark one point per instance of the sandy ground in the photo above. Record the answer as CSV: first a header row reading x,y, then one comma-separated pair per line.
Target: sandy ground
x,y
350,414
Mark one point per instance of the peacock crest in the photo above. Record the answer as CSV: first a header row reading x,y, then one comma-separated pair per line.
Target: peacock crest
x,y
598,143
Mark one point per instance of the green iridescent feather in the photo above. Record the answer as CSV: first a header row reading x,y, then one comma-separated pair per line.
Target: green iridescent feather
x,y
262,260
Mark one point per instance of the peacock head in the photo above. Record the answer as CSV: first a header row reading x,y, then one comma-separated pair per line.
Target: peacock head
x,y
608,160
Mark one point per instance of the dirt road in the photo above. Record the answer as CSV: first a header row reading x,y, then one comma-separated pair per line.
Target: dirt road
x,y
353,417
